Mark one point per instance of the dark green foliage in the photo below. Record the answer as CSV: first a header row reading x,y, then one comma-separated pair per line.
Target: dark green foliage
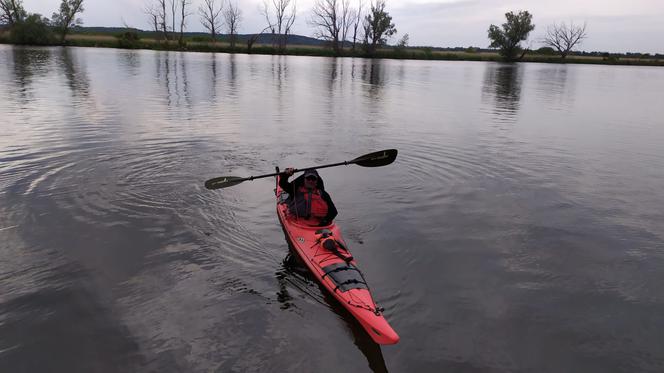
x,y
33,30
378,27
12,12
508,38
201,39
129,40
66,19
546,51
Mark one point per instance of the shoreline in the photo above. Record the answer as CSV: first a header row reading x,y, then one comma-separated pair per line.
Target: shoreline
x,y
408,53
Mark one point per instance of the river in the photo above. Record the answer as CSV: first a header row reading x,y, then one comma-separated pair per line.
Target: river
x,y
521,228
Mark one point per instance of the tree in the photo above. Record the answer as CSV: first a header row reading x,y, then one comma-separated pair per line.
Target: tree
x,y
327,20
232,16
346,19
378,27
356,18
31,29
513,32
153,15
402,44
183,19
253,38
210,17
173,8
279,19
11,12
563,37
163,17
66,18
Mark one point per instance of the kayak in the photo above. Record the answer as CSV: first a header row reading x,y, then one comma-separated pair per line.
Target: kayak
x,y
324,251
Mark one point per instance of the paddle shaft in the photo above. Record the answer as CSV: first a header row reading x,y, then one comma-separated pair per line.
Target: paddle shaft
x,y
375,159
296,170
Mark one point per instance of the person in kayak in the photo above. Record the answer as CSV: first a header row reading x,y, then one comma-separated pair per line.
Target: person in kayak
x,y
307,198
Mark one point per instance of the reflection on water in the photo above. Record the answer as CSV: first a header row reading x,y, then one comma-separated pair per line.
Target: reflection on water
x,y
297,275
502,84
520,229
28,64
76,76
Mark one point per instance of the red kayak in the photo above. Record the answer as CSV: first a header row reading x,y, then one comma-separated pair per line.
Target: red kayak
x,y
324,252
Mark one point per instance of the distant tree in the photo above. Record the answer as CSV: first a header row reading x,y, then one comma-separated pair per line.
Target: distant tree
x,y
153,15
253,38
328,20
280,16
513,32
12,12
403,42
378,26
173,10
163,17
183,19
32,29
356,19
64,20
346,20
547,51
211,17
563,37
233,16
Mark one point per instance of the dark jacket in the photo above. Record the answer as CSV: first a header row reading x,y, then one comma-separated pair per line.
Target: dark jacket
x,y
291,187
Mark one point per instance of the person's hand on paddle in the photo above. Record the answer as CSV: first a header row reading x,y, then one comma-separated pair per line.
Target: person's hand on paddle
x,y
289,171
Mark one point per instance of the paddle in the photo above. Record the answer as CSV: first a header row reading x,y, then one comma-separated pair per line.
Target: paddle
x,y
375,159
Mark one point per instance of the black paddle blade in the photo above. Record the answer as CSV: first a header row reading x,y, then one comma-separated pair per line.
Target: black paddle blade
x,y
223,182
376,159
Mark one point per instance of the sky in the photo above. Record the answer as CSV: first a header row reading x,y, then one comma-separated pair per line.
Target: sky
x,y
612,25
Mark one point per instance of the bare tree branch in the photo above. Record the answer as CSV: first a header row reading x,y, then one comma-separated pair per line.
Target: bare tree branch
x,y
210,17
254,38
232,16
563,37
153,16
326,21
346,15
163,17
357,20
173,8
183,19
280,17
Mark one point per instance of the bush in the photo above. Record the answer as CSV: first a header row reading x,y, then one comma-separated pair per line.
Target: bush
x,y
201,39
33,30
128,39
546,51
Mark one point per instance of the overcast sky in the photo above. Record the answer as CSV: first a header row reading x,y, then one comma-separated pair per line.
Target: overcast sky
x,y
613,25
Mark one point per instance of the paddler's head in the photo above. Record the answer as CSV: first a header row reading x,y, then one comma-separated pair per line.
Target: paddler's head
x,y
310,179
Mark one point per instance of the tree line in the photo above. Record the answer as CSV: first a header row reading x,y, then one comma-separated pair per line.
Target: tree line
x,y
343,24
332,20
507,39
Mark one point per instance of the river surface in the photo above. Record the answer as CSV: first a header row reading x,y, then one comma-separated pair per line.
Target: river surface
x,y
521,228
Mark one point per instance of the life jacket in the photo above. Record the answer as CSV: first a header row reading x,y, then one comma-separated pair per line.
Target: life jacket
x,y
308,204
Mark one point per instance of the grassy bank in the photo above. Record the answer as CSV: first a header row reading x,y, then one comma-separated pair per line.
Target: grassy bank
x,y
194,44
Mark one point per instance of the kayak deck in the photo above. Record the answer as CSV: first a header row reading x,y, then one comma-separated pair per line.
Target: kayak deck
x,y
325,253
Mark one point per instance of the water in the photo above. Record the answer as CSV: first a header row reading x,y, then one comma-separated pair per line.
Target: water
x,y
521,228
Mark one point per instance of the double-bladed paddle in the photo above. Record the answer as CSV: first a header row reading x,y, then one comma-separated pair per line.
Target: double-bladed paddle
x,y
375,159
